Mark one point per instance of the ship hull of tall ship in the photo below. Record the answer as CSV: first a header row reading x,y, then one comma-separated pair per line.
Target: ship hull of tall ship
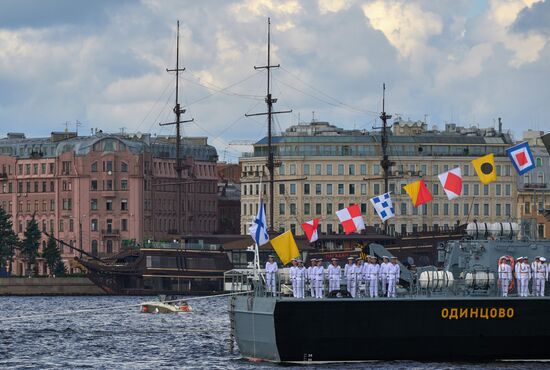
x,y
151,271
424,329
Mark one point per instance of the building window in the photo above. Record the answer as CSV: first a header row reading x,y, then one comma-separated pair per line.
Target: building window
x,y
351,170
282,169
436,189
109,205
44,187
363,169
527,208
306,208
508,210
376,189
93,204
281,189
376,169
363,208
466,209
317,189
466,170
485,209
351,189
540,228
329,208
124,224
108,185
329,169
109,246
403,208
498,166
476,189
317,208
329,229
466,189
318,169
67,203
445,209
539,162
124,205
306,169
363,189
435,169
281,208
292,189
52,205
540,178
485,189
61,225
123,167
71,225
107,166
435,209
507,170
498,210
476,209
292,169
94,248
65,167
306,189
340,189
456,208
329,189
340,170
292,208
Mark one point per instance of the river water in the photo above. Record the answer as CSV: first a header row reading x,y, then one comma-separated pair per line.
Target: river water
x,y
119,337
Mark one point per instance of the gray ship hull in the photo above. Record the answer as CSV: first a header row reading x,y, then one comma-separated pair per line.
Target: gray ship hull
x,y
434,329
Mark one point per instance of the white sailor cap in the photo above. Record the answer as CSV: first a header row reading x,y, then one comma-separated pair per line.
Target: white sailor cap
x,y
319,260
298,260
350,258
270,256
358,259
537,257
393,257
334,259
519,258
542,259
386,257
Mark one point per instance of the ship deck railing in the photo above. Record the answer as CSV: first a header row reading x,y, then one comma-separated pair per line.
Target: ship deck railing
x,y
245,280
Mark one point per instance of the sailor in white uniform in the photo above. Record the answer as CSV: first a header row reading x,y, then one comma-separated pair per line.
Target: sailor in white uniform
x,y
300,279
516,273
311,276
534,266
394,272
524,276
372,273
384,274
319,279
505,275
334,276
348,268
364,282
355,272
271,275
292,276
541,276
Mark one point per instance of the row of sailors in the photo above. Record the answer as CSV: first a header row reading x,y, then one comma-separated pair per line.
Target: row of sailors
x,y
538,272
387,274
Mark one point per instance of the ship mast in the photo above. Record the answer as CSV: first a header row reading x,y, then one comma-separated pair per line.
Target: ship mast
x,y
178,111
269,101
385,162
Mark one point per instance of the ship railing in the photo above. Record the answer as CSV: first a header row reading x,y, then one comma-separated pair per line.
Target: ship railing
x,y
183,246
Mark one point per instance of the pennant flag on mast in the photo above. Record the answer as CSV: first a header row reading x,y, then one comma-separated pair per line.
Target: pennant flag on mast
x,y
383,206
310,229
485,168
521,157
418,192
286,247
351,219
258,229
451,182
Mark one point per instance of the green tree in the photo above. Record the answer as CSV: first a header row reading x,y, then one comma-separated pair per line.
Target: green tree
x,y
8,239
29,245
60,269
51,255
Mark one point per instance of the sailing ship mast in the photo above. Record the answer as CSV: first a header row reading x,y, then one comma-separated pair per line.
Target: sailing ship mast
x,y
269,101
178,111
385,162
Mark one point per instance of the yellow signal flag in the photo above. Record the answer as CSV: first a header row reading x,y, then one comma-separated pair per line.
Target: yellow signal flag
x,y
286,247
485,168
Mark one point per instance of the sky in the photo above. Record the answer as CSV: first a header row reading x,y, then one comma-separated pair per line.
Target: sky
x,y
103,63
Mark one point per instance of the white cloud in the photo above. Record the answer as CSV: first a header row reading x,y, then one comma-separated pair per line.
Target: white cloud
x,y
405,24
333,6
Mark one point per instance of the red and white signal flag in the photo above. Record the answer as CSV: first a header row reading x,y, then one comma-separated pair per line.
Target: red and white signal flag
x,y
351,219
452,182
310,229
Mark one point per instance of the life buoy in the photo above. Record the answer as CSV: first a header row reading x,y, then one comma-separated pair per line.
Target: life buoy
x,y
512,264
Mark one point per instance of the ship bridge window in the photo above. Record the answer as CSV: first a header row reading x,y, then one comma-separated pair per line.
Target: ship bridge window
x,y
161,262
198,263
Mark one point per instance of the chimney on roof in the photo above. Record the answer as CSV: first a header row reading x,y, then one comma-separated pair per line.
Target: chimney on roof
x,y
499,126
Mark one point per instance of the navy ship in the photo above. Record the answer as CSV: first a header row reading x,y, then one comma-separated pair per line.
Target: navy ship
x,y
454,312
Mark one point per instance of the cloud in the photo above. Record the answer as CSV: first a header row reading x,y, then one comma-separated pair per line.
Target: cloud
x,y
534,19
333,6
406,25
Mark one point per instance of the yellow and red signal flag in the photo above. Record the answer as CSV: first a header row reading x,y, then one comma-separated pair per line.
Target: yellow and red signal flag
x,y
418,192
451,182
485,168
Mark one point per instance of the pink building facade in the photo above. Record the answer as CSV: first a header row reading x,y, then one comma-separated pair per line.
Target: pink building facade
x,y
105,192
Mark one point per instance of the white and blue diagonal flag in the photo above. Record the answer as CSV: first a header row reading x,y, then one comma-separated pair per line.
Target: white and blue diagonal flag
x,y
258,229
383,206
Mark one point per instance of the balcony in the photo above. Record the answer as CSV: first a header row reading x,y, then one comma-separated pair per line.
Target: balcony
x,y
110,232
535,185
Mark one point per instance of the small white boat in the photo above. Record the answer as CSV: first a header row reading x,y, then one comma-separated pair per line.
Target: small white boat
x,y
165,304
